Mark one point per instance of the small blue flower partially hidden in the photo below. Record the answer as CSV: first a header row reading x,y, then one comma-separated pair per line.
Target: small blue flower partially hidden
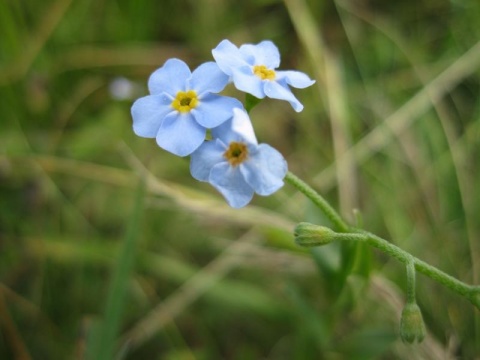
x,y
236,165
252,70
182,105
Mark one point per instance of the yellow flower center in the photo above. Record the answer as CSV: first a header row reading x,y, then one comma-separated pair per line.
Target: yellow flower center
x,y
263,72
185,101
236,153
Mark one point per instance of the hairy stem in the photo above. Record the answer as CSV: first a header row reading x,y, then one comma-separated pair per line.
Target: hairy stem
x,y
347,233
472,293
338,223
411,282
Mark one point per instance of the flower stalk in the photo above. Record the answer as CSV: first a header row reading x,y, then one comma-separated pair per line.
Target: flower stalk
x,y
347,233
411,282
338,223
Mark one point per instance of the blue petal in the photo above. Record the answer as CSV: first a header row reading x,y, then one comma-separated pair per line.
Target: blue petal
x,y
296,79
265,170
208,78
275,90
229,181
239,128
180,134
228,57
170,78
245,80
148,113
205,157
214,110
264,53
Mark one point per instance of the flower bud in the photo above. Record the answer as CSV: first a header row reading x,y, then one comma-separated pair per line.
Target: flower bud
x,y
307,234
412,327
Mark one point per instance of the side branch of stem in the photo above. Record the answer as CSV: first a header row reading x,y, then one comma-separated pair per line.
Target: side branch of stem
x,y
472,293
347,233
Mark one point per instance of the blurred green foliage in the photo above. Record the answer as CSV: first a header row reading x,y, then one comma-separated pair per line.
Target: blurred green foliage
x,y
208,282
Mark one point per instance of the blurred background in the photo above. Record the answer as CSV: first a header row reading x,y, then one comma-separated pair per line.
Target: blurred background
x,y
95,265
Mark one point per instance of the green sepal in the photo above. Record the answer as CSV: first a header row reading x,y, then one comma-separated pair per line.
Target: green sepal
x,y
412,327
310,235
250,102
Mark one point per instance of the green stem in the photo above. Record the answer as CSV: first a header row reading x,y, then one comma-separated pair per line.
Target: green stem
x,y
318,200
347,233
471,293
411,282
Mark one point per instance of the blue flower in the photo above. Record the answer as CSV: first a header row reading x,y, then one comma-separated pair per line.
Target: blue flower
x,y
236,165
182,105
252,70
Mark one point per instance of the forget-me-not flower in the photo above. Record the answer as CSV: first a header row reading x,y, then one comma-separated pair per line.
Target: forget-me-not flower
x,y
182,105
252,68
236,165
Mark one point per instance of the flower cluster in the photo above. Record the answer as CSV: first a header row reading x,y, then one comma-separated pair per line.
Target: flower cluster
x,y
184,105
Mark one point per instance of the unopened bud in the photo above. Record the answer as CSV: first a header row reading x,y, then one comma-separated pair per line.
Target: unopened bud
x,y
307,234
412,327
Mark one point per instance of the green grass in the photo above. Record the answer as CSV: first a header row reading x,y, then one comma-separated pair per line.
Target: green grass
x,y
391,128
